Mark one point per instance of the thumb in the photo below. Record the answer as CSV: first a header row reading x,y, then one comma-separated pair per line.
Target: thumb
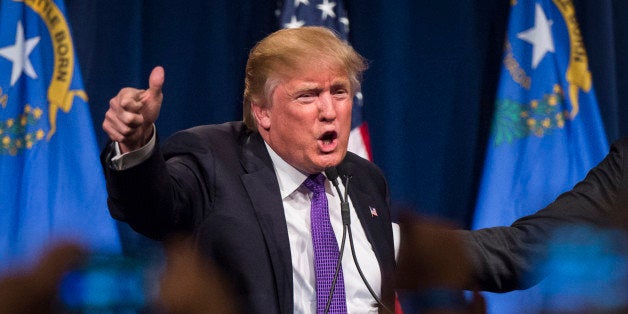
x,y
152,97
156,81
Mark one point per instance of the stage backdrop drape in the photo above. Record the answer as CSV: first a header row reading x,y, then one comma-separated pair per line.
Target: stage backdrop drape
x,y
428,95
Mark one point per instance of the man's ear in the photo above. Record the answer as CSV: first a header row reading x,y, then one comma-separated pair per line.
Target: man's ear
x,y
262,115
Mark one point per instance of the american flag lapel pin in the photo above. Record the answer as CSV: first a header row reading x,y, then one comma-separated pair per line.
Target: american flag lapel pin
x,y
373,211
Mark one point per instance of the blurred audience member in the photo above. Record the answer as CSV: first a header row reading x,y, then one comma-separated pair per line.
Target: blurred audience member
x,y
433,268
34,290
192,284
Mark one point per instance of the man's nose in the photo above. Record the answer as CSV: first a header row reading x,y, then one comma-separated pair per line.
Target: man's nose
x,y
327,107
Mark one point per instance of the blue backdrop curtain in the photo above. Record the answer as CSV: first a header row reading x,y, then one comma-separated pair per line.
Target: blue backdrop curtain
x,y
429,92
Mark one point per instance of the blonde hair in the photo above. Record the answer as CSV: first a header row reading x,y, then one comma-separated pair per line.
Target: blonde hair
x,y
285,52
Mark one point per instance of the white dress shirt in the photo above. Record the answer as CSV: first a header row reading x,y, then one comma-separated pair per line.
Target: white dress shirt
x,y
296,203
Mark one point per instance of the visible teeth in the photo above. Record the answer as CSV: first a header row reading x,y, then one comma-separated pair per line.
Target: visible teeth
x,y
327,141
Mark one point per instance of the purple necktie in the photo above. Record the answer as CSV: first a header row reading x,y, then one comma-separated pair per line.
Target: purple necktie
x,y
325,249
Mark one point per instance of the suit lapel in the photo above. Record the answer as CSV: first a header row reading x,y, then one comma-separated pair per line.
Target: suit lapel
x,y
377,227
261,184
362,203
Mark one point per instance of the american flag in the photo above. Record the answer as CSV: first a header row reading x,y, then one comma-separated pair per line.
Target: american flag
x,y
373,211
331,14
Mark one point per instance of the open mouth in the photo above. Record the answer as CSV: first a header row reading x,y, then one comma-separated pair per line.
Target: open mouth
x,y
328,137
328,141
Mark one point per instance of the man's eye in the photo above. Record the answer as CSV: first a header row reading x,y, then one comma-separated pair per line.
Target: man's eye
x,y
306,97
341,93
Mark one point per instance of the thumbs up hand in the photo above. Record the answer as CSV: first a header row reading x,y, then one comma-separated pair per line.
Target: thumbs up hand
x,y
133,111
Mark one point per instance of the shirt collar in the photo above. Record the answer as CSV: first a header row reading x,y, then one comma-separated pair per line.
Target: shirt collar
x,y
288,177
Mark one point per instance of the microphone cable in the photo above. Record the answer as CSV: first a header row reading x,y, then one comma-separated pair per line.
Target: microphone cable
x,y
332,174
368,286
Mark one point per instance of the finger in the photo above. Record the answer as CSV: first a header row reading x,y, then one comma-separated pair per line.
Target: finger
x,y
129,138
111,127
131,104
151,99
128,118
128,99
155,83
125,123
113,134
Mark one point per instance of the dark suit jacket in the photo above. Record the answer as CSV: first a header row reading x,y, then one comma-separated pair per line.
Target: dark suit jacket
x,y
218,183
504,257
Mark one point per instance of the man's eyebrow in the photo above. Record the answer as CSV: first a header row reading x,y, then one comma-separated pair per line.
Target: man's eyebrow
x,y
340,83
315,87
308,88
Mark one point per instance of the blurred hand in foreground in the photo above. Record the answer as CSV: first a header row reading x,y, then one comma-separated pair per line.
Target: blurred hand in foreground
x,y
432,258
191,284
33,291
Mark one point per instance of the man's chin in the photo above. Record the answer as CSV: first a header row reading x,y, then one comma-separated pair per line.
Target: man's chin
x,y
330,161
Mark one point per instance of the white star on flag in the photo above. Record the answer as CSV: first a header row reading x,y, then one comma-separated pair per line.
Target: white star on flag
x,y
540,36
19,54
327,9
344,21
297,2
294,23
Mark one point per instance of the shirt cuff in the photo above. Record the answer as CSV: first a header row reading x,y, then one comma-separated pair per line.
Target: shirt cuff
x,y
131,159
396,238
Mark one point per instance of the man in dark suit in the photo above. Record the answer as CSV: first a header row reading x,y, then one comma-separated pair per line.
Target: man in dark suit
x,y
239,187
